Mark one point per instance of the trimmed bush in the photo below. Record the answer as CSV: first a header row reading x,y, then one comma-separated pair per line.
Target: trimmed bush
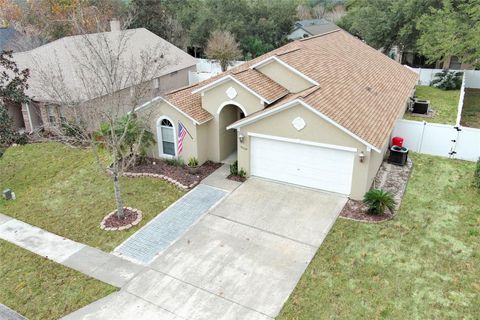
x,y
447,80
234,169
378,201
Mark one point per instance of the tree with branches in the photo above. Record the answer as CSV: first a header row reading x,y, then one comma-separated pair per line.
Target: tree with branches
x,y
111,81
223,48
13,84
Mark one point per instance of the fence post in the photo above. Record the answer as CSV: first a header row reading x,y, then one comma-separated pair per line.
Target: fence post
x,y
421,137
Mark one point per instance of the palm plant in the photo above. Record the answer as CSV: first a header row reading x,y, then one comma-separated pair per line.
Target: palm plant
x,y
378,201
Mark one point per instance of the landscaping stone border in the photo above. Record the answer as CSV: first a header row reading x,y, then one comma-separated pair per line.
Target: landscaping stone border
x,y
128,226
158,176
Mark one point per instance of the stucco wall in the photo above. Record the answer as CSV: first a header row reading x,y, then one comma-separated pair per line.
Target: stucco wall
x,y
317,130
159,109
283,76
215,131
215,97
175,80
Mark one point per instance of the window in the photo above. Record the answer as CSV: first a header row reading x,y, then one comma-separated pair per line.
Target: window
x,y
455,63
62,116
51,114
168,137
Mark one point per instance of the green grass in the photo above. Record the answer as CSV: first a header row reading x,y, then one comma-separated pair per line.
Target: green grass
x,y
443,102
62,190
41,289
423,264
471,108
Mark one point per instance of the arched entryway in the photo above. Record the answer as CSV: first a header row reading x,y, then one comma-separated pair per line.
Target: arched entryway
x,y
228,114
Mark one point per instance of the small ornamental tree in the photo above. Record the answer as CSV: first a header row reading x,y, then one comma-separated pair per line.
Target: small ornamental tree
x,y
447,80
13,84
223,48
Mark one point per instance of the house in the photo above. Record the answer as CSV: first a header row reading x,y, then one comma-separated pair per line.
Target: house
x,y
309,113
6,34
311,27
62,61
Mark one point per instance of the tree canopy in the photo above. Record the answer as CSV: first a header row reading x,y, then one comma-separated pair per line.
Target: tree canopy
x,y
453,30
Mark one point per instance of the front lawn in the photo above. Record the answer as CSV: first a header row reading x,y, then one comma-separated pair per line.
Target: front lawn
x,y
443,102
62,190
423,264
42,289
471,108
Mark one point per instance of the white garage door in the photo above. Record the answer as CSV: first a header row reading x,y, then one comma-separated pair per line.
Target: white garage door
x,y
302,164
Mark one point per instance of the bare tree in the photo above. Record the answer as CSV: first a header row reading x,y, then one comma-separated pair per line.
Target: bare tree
x,y
223,48
101,90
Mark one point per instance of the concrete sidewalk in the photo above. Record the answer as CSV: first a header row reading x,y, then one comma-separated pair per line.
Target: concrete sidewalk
x,y
90,261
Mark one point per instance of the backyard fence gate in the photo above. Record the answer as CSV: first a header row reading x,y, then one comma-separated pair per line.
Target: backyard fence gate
x,y
451,141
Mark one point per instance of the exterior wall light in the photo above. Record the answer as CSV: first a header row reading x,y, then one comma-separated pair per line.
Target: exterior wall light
x,y
241,137
361,156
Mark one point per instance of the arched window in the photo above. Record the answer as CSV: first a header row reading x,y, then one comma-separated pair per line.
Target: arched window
x,y
166,137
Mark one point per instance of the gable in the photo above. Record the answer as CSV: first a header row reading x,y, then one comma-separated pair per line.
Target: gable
x,y
281,124
286,76
217,96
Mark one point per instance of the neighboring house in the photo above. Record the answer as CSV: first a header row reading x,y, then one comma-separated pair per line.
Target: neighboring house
x,y
65,58
312,27
309,113
416,60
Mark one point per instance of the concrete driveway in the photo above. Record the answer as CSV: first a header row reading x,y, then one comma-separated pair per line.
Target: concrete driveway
x,y
240,261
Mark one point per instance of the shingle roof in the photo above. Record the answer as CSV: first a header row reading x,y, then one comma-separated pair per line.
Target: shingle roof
x,y
67,55
360,88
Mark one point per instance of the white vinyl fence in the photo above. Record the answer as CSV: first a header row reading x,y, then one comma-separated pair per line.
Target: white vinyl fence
x,y
440,139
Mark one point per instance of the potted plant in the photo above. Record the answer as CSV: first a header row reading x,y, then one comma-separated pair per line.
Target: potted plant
x,y
193,165
378,201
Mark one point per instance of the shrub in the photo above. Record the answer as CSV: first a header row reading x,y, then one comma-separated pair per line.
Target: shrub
x,y
73,130
21,139
193,162
242,173
177,162
476,175
378,201
234,168
447,80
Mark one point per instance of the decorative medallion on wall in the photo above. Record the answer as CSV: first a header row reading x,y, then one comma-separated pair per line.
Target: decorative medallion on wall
x,y
298,123
231,93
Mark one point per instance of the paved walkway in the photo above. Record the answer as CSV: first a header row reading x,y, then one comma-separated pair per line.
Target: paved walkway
x,y
240,261
166,228
90,261
8,314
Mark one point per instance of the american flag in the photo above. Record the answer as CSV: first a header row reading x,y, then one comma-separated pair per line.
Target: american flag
x,y
182,132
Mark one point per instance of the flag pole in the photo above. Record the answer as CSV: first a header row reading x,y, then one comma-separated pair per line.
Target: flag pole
x,y
185,129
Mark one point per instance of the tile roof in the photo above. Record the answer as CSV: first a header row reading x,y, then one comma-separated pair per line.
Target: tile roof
x,y
360,88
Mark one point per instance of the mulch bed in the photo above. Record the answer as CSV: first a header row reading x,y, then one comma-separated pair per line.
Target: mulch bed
x,y
178,173
390,178
357,210
112,223
236,178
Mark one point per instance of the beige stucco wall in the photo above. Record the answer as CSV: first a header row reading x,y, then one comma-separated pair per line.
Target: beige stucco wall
x,y
283,76
218,139
317,130
159,109
212,99
174,80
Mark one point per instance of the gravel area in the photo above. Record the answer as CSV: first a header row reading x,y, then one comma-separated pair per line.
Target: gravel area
x,y
391,178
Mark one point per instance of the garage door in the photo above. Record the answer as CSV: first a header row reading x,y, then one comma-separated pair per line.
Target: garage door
x,y
302,164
